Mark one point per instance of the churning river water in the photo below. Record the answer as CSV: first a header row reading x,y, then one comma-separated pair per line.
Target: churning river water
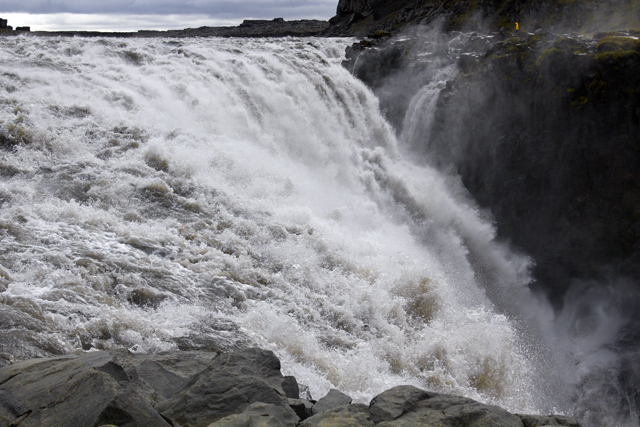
x,y
161,194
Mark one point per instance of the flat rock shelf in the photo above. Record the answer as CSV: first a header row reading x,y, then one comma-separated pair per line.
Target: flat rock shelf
x,y
235,389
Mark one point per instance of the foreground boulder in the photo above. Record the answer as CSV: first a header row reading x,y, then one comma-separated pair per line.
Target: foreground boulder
x,y
343,416
258,415
87,390
227,386
410,406
333,399
237,389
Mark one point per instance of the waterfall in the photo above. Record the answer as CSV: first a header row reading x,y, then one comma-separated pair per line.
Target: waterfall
x,y
217,193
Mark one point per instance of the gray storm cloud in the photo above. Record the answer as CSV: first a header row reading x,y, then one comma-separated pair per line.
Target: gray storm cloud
x,y
229,9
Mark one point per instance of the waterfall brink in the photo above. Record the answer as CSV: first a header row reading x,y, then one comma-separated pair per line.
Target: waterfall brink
x,y
219,193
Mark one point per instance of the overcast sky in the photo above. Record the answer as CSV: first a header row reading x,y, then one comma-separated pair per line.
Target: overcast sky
x,y
133,15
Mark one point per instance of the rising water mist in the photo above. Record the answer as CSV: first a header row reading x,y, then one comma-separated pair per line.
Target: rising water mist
x,y
215,194
591,342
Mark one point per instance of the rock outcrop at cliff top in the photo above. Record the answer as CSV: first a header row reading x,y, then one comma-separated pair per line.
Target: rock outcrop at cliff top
x,y
365,17
193,389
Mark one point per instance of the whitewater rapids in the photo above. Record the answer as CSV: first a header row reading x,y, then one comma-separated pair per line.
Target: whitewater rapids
x,y
217,193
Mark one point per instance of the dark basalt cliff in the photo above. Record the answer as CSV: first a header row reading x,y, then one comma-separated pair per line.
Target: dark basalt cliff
x,y
364,17
544,131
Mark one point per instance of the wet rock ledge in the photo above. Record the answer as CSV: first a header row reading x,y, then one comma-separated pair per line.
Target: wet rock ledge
x,y
241,389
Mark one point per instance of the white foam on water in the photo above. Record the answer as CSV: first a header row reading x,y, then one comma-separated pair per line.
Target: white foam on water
x,y
215,193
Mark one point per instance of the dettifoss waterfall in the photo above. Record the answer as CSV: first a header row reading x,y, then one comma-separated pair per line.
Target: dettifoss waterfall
x,y
161,194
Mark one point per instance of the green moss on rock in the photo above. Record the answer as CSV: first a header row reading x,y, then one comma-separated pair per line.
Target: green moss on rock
x,y
579,102
617,43
598,84
550,55
611,58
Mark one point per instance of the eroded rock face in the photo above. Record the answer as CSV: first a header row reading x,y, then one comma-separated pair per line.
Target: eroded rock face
x,y
408,406
544,131
365,17
351,6
226,387
237,389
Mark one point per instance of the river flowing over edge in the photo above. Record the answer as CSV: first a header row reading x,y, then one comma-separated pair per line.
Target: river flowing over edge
x,y
214,194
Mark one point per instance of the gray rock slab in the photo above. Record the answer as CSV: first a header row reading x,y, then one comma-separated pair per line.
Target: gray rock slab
x,y
183,363
391,404
244,388
342,416
251,361
290,387
77,390
161,376
332,400
547,420
301,407
163,381
227,386
215,397
260,414
445,411
131,409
